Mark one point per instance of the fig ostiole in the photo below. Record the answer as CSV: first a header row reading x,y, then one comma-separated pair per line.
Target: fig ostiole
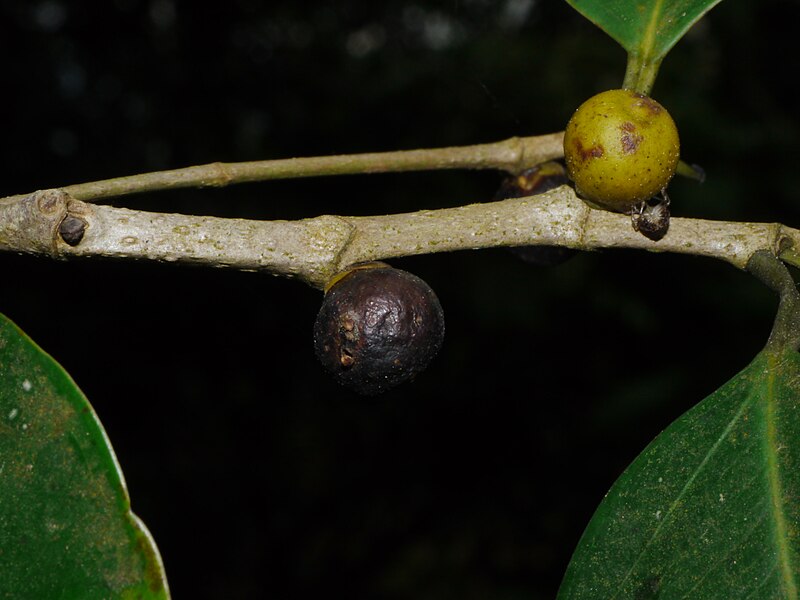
x,y
377,327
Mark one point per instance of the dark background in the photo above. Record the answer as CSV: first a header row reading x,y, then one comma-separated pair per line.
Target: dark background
x,y
257,475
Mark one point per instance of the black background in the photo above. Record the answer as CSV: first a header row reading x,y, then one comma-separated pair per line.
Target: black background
x,y
257,475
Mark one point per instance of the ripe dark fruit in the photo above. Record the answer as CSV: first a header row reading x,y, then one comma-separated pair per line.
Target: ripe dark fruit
x,y
537,180
377,328
621,149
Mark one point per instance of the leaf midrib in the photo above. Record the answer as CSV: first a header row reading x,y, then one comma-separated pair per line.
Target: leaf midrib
x,y
771,449
649,35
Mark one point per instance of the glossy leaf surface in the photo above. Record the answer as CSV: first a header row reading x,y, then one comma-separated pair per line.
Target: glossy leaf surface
x,y
66,530
711,508
646,28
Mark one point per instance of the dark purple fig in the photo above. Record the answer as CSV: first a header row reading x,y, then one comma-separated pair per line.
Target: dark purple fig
x,y
377,328
537,180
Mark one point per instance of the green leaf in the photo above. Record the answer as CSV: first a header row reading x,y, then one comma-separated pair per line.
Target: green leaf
x,y
711,508
66,530
647,29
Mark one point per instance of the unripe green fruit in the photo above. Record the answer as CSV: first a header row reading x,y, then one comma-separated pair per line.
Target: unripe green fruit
x,y
621,148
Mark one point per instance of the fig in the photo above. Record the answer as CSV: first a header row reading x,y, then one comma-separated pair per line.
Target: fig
x,y
621,149
377,327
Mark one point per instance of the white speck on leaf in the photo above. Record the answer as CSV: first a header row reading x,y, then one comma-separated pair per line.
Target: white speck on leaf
x,y
52,526
658,515
722,498
27,385
13,414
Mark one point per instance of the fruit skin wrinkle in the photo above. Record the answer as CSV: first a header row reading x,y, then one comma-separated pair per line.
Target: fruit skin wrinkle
x,y
621,148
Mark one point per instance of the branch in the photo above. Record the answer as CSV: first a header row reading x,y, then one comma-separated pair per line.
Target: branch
x,y
53,223
512,155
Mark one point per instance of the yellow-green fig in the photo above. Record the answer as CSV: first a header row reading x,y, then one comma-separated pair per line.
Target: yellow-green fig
x,y
621,149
